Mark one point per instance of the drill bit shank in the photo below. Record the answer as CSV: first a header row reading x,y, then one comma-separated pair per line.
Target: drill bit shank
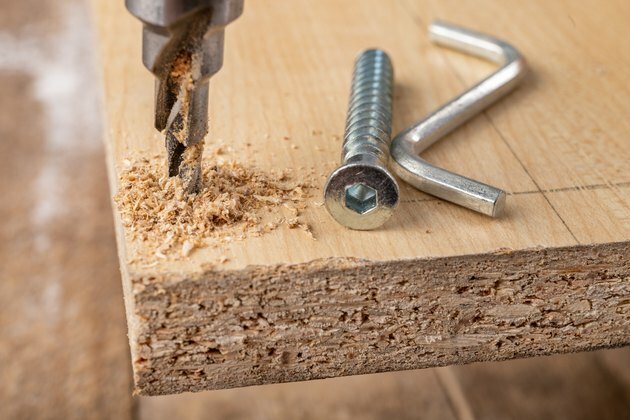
x,y
183,47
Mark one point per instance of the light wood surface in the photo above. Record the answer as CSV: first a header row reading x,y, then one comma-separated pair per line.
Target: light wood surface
x,y
558,146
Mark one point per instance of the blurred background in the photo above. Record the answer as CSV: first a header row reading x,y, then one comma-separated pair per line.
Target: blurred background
x,y
63,345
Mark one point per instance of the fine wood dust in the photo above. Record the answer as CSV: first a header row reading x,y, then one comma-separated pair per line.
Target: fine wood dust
x,y
235,201
181,65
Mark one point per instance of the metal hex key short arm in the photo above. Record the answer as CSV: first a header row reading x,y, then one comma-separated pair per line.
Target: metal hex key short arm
x,y
409,143
361,193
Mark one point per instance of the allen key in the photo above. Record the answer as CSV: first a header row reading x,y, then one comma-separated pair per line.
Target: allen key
x,y
407,145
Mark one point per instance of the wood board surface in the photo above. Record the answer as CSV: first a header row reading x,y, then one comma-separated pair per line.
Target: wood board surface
x,y
558,146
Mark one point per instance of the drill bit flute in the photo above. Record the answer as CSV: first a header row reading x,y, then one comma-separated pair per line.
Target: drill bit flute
x,y
182,45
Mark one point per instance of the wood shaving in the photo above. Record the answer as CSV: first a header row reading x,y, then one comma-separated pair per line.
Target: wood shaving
x,y
181,65
235,201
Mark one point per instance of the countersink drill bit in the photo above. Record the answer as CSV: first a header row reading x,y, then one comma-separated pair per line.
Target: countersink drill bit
x,y
182,46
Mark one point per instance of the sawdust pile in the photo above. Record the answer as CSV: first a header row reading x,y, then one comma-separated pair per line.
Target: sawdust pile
x,y
235,201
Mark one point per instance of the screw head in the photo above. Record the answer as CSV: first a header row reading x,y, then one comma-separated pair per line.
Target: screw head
x,y
361,196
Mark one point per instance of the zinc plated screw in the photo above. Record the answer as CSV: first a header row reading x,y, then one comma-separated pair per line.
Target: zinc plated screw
x,y
362,194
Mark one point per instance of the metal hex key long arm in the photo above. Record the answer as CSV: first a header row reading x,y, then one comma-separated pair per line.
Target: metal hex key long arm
x,y
415,139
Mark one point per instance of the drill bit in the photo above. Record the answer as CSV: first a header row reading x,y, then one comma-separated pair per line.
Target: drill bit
x,y
183,48
181,107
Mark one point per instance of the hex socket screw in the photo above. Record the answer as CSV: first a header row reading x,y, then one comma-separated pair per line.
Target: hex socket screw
x,y
361,193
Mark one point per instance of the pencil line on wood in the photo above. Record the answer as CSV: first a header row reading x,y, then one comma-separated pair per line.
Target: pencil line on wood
x,y
592,187
577,188
412,13
528,174
513,152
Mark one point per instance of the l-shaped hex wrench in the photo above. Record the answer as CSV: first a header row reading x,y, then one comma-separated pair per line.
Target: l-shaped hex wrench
x,y
415,139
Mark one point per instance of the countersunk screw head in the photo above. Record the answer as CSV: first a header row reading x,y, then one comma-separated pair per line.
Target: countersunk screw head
x,y
361,196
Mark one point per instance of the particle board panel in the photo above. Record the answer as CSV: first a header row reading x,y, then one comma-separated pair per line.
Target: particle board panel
x,y
286,75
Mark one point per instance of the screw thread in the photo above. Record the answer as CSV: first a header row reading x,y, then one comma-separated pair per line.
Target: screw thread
x,y
369,122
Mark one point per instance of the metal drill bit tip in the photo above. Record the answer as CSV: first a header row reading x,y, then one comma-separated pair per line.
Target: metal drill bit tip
x,y
181,107
185,129
187,126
